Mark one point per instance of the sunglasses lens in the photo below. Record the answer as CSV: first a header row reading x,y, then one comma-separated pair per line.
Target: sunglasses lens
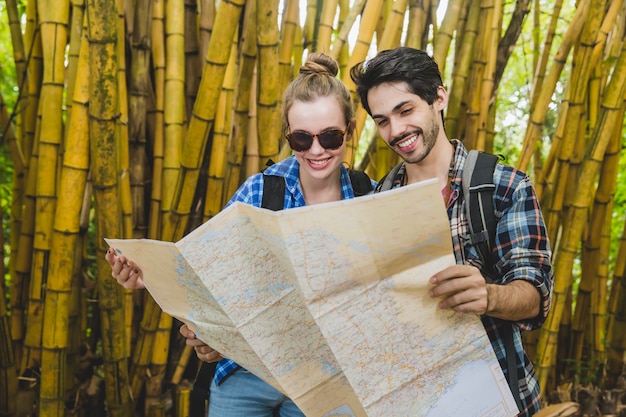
x,y
301,141
331,139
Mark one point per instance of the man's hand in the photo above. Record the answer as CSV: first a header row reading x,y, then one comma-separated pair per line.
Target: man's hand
x,y
127,274
462,288
204,352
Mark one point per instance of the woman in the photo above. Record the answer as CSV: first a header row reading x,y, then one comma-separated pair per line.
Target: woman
x,y
317,120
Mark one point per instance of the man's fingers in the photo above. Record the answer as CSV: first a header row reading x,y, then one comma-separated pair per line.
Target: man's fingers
x,y
469,301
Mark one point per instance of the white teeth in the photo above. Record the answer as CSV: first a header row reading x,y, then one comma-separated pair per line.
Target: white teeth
x,y
318,162
407,142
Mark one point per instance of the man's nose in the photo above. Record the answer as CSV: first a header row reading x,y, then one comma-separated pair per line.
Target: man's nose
x,y
396,128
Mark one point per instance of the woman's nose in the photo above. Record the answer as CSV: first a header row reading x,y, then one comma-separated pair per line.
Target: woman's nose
x,y
316,148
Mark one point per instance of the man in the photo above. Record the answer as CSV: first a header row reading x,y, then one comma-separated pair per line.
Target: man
x,y
402,91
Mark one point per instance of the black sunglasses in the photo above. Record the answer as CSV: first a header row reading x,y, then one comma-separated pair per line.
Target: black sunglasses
x,y
301,141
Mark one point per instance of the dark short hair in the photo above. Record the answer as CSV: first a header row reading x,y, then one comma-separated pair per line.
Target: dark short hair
x,y
403,64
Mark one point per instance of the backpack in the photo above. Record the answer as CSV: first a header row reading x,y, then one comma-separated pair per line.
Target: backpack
x,y
478,188
274,188
273,199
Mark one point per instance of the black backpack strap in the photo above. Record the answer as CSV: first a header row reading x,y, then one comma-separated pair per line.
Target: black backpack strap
x,y
478,189
386,182
361,183
273,192
199,396
274,188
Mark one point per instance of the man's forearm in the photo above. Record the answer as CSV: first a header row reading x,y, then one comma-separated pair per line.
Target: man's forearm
x,y
517,300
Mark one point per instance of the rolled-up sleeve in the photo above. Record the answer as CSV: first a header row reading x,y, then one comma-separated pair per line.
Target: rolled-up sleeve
x,y
522,244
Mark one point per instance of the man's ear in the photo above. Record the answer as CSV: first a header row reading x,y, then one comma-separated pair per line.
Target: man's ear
x,y
350,129
442,98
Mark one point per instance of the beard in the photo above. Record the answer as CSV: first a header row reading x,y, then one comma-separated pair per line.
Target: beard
x,y
429,137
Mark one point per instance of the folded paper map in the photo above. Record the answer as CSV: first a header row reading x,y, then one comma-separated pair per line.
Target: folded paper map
x,y
329,304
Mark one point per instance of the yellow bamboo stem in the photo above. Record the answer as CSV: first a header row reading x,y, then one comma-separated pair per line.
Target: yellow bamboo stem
x,y
616,328
221,136
202,118
241,125
490,45
325,25
288,33
103,110
445,33
342,36
158,60
538,113
576,217
64,238
455,112
366,32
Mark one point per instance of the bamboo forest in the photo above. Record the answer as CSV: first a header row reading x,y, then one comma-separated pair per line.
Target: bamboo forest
x,y
140,119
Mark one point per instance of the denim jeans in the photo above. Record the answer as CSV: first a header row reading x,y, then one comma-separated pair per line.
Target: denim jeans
x,y
242,394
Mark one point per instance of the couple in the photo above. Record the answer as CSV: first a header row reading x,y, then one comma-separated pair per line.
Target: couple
x,y
402,91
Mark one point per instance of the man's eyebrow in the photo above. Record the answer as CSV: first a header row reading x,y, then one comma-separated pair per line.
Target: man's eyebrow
x,y
396,109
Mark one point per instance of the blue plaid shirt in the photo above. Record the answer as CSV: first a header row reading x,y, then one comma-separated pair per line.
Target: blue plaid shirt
x,y
251,192
521,252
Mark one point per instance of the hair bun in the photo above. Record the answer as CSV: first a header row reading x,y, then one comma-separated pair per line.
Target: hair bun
x,y
319,63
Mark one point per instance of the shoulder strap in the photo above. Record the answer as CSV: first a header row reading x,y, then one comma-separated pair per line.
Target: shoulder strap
x,y
361,183
199,396
273,192
386,182
478,188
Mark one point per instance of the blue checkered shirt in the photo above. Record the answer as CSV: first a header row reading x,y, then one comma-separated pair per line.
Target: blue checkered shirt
x,y
251,192
521,252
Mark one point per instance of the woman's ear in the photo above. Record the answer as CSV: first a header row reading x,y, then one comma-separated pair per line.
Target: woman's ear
x,y
350,129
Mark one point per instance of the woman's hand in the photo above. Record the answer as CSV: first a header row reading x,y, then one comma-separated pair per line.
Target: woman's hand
x,y
204,352
125,272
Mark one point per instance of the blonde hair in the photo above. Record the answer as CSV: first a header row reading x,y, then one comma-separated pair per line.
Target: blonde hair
x,y
317,78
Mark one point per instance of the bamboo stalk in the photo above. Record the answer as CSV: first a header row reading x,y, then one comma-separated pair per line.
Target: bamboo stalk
x,y
202,118
366,32
75,36
8,367
193,54
456,110
103,110
219,147
444,37
576,217
138,93
173,116
268,112
616,327
241,125
539,111
342,36
289,29
20,280
417,31
158,143
206,22
64,239
54,21
325,25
